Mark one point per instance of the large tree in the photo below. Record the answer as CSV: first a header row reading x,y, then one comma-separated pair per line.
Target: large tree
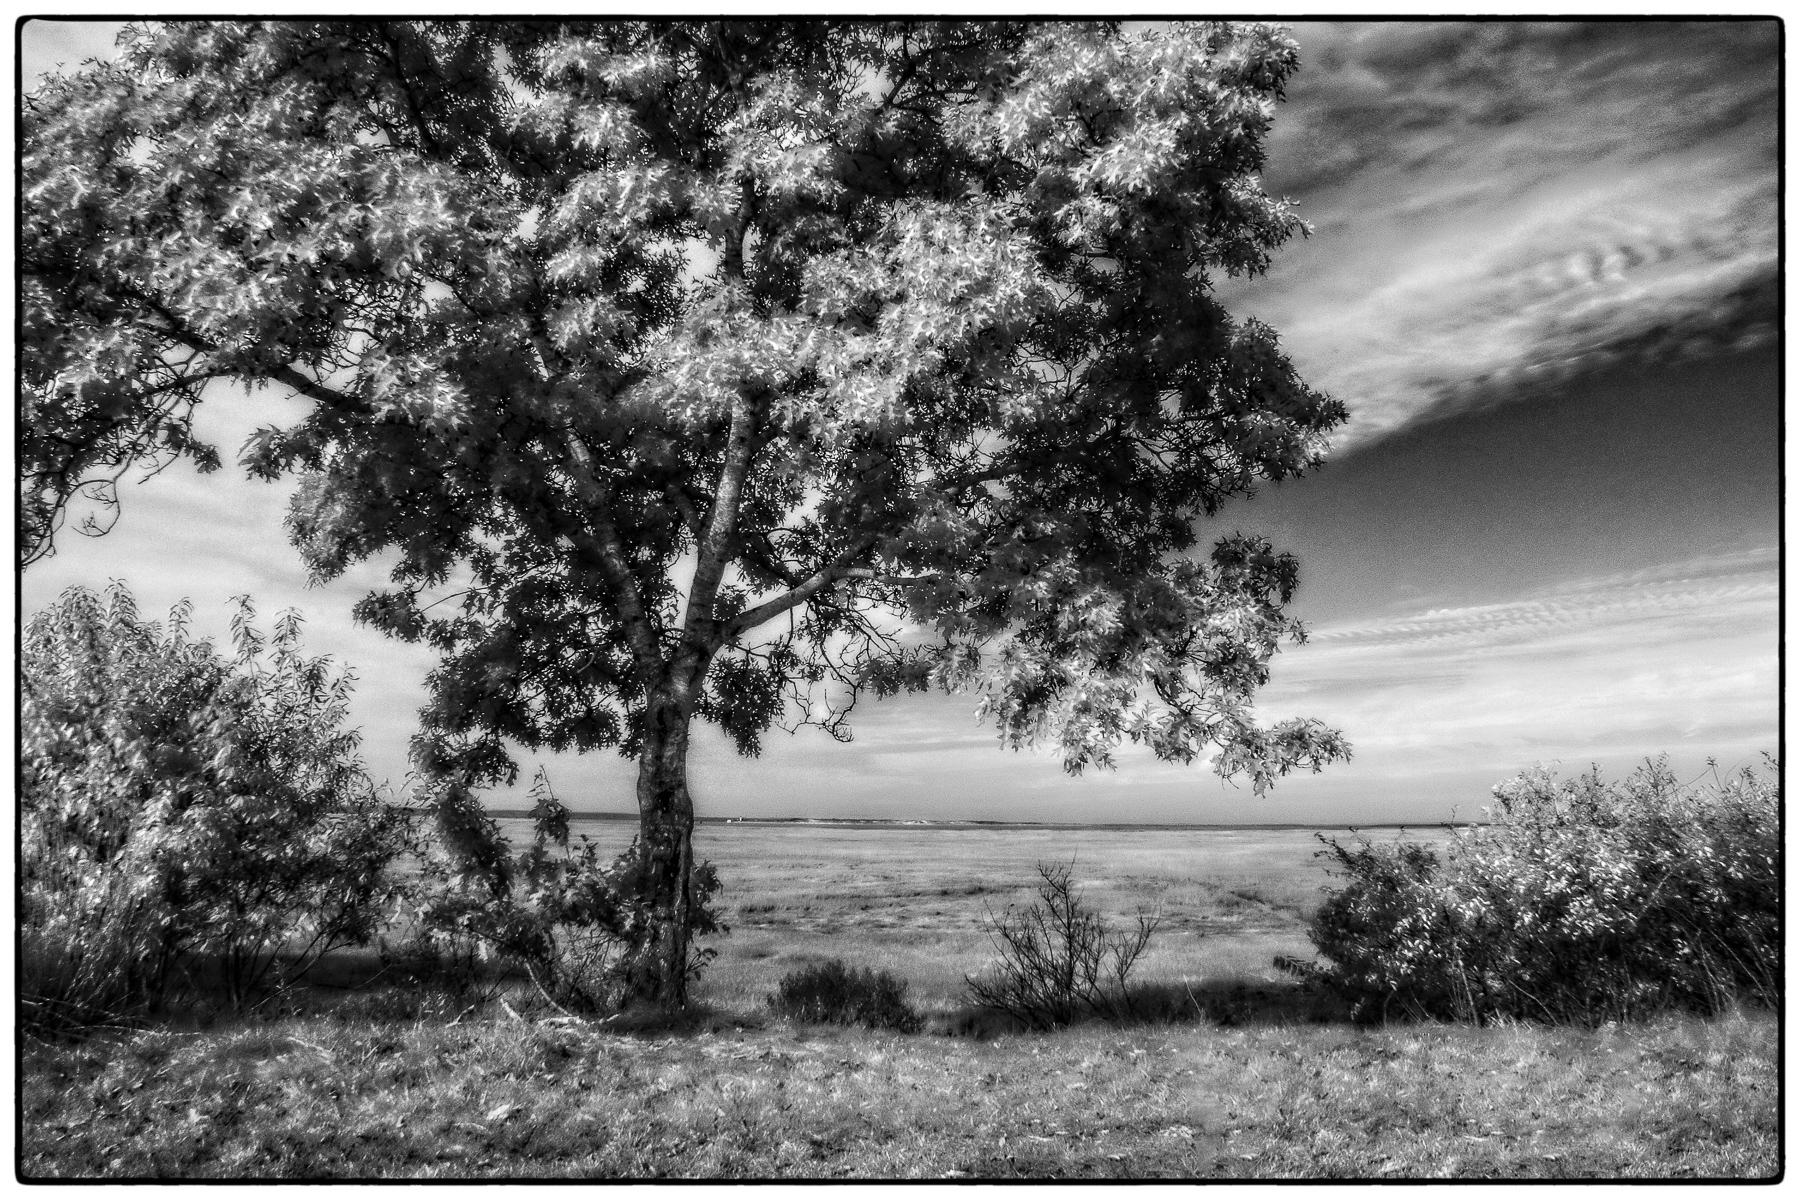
x,y
713,370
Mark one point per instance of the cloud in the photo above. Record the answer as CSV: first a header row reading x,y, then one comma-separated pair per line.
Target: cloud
x,y
1500,207
1678,657
1744,583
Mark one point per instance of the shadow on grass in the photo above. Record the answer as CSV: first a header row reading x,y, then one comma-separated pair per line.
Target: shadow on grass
x,y
1231,1002
364,985
1222,1003
367,984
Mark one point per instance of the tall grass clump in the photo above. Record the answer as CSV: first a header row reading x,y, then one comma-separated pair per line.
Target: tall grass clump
x,y
833,993
182,809
84,961
1580,900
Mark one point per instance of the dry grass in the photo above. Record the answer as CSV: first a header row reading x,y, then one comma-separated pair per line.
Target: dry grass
x,y
351,1096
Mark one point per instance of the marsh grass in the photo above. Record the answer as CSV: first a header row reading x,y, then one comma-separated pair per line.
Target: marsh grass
x,y
917,902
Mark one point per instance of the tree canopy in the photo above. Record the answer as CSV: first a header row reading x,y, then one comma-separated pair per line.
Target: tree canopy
x,y
713,369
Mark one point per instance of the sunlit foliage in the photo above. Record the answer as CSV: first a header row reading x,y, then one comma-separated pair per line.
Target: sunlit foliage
x,y
1578,900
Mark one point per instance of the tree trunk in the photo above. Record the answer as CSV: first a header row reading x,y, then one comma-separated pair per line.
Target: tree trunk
x,y
658,969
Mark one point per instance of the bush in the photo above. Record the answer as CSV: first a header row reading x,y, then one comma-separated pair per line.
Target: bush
x,y
179,808
1058,959
833,993
1579,901
555,912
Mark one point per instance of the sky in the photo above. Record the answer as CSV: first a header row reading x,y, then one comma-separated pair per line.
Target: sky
x,y
1543,276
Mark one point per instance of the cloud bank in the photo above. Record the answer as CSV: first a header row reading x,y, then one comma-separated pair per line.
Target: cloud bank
x,y
1499,207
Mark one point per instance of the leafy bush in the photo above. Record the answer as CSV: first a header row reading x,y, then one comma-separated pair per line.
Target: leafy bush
x,y
1580,901
555,912
182,808
833,993
1058,959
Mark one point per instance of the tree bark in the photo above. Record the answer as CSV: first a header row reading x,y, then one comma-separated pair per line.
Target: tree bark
x,y
658,969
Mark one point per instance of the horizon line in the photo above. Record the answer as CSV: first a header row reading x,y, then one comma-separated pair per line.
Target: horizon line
x,y
615,815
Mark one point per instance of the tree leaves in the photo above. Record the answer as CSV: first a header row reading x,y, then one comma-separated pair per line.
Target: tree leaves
x,y
753,362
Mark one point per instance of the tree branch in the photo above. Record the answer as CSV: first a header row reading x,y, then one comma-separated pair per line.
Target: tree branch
x,y
875,576
690,517
312,389
609,551
838,568
176,328
427,142
964,479
714,550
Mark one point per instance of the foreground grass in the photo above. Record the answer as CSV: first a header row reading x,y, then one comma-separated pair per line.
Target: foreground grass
x,y
354,1093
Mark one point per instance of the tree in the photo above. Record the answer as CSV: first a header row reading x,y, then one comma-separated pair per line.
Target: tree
x,y
718,370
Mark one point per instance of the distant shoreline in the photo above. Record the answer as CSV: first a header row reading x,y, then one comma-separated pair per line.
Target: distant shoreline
x,y
524,814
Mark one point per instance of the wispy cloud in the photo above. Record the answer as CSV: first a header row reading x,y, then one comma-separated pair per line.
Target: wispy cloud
x,y
1678,658
1502,206
1743,584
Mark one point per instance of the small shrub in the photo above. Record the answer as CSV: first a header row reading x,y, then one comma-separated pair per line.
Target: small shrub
x,y
1579,901
555,912
181,808
1058,959
833,993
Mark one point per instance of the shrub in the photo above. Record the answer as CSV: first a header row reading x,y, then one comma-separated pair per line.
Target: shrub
x,y
178,807
833,993
1580,901
555,912
1058,959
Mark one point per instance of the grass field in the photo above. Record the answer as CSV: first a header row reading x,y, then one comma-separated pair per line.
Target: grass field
x,y
1251,1084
